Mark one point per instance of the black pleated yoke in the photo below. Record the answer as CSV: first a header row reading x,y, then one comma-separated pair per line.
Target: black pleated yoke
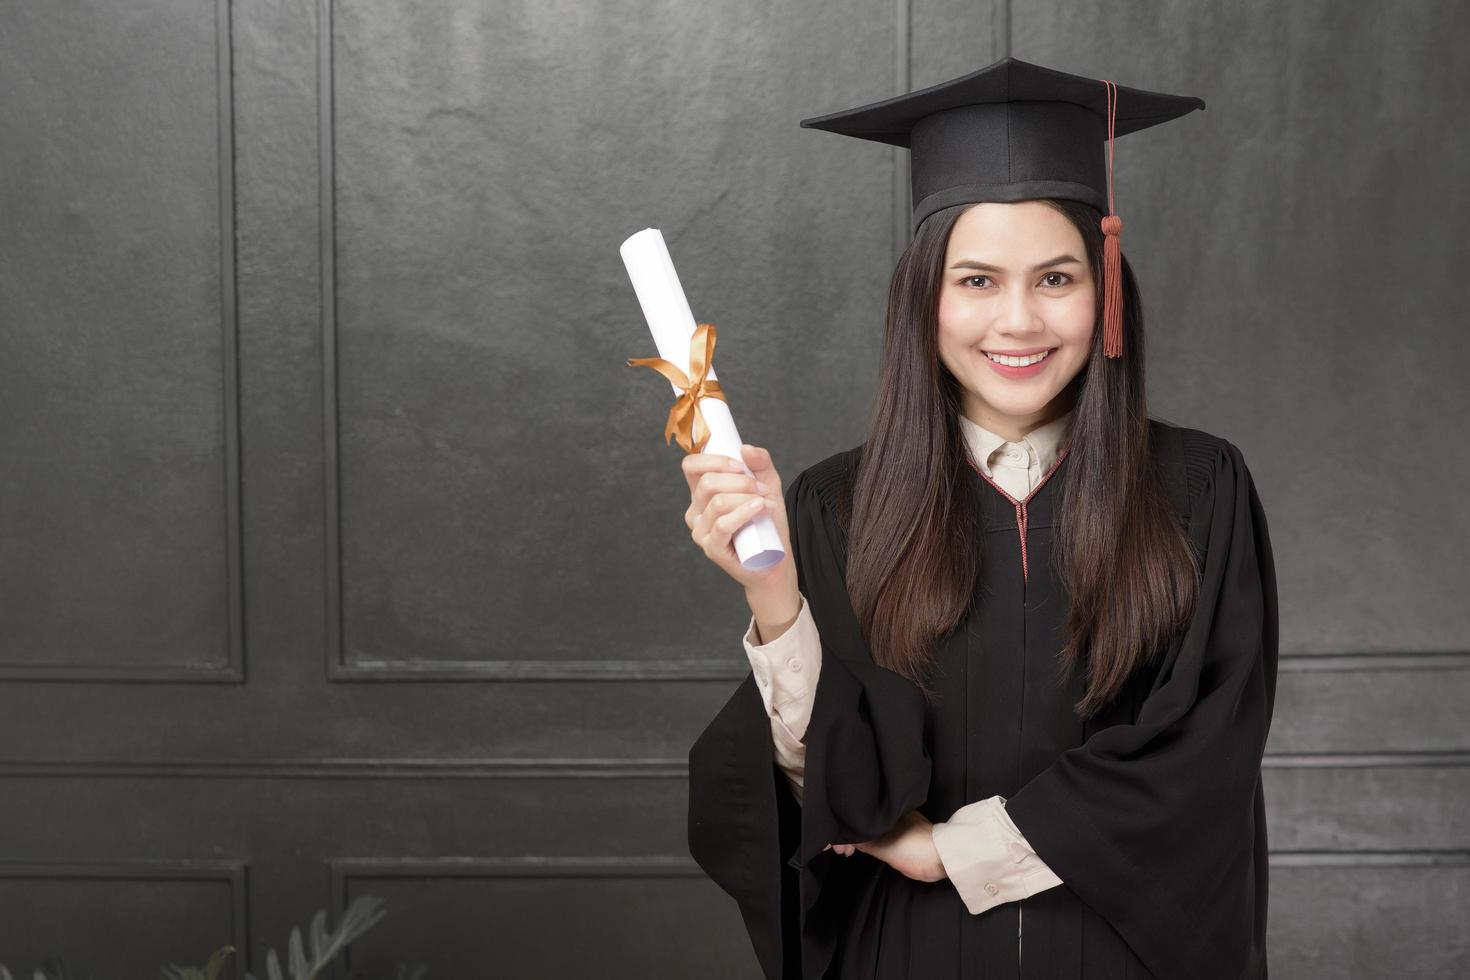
x,y
1151,812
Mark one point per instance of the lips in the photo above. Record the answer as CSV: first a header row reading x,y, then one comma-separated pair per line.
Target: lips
x,y
1030,369
1019,353
1028,360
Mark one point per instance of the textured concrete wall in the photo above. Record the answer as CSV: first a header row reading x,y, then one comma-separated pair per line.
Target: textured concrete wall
x,y
340,552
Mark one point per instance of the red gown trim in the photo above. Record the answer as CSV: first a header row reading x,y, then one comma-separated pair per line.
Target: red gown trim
x,y
1020,505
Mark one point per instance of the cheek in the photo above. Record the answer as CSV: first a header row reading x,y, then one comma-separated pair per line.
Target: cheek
x,y
948,313
951,323
960,322
1074,323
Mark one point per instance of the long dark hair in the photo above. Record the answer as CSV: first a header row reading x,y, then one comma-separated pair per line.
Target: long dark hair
x,y
913,553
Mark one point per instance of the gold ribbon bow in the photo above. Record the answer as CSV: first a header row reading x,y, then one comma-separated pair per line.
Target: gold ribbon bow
x,y
686,422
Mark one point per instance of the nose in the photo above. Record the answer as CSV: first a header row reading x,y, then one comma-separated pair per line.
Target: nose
x,y
1020,316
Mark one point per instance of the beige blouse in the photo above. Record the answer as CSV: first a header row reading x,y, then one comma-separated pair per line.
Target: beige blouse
x,y
982,850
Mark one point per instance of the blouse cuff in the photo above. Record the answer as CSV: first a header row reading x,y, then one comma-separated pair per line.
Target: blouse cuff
x,y
987,858
786,670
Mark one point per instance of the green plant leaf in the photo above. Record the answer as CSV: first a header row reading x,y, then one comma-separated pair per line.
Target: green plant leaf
x,y
297,957
360,916
209,972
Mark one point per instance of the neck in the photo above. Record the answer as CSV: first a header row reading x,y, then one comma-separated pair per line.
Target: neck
x,y
1016,427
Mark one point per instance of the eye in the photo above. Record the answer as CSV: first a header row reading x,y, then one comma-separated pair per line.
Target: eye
x,y
1066,280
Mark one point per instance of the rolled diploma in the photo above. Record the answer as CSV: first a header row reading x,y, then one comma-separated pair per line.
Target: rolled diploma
x,y
757,543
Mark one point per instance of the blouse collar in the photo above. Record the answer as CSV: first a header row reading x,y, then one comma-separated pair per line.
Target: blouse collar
x,y
1040,446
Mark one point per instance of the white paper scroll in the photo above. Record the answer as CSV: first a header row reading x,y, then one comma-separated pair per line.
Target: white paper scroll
x,y
758,543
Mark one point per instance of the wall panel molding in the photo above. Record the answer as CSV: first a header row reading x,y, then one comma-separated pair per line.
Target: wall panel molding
x,y
652,767
1368,859
339,667
230,872
232,670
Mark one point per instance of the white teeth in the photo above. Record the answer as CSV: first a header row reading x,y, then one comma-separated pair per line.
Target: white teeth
x,y
1017,361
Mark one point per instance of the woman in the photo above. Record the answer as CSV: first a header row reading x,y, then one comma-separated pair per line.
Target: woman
x,y
1011,689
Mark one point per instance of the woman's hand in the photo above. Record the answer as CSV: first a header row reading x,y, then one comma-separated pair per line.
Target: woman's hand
x,y
908,848
723,499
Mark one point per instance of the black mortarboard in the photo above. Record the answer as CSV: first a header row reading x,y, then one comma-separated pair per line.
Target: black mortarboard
x,y
1014,131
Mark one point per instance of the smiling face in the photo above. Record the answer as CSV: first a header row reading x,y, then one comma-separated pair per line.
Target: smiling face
x,y
1016,281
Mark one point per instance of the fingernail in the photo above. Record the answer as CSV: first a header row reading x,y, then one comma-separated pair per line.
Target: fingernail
x,y
735,464
760,487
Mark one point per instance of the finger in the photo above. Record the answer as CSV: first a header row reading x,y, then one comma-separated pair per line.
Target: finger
x,y
761,466
695,465
748,507
712,483
720,506
718,522
707,487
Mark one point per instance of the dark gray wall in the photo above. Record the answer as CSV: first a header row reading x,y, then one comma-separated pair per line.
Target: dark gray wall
x,y
341,553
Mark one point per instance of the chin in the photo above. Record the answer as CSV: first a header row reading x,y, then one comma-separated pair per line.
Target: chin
x,y
1017,403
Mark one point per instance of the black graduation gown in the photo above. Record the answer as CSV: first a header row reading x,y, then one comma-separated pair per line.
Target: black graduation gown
x,y
1151,812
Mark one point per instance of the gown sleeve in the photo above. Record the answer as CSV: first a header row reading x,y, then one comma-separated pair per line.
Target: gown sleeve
x,y
984,854
867,766
1159,824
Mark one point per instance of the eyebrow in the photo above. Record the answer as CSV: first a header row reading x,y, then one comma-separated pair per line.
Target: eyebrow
x,y
972,264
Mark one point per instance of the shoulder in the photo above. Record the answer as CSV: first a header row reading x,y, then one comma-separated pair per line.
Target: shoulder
x,y
1203,457
829,481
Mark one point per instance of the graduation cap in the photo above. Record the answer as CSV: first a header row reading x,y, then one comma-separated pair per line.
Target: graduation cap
x,y
1014,131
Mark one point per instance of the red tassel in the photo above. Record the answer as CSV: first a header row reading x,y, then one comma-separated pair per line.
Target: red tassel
x,y
1112,227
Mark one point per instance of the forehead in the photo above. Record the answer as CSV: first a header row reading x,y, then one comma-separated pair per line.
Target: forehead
x,y
1018,233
